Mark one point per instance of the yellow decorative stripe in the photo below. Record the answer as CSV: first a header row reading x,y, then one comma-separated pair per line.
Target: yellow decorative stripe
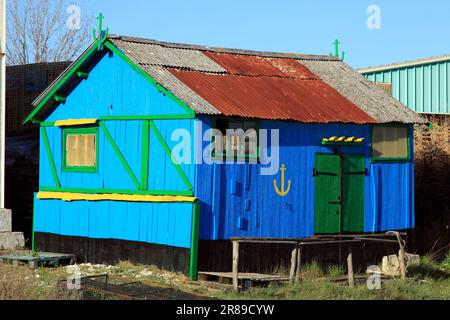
x,y
343,140
72,122
67,196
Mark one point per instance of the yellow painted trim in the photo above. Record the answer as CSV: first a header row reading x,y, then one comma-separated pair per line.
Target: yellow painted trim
x,y
73,122
67,196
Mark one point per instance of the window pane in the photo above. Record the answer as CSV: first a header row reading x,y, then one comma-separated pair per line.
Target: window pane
x,y
81,150
241,138
390,142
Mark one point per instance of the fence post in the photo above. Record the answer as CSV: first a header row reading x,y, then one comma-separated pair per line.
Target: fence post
x,y
235,264
351,279
293,264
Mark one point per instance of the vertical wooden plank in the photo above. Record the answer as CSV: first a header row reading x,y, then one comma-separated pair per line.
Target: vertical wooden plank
x,y
293,264
235,264
401,258
351,279
299,263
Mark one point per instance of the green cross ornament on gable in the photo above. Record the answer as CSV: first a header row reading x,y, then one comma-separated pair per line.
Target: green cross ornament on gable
x,y
100,35
336,50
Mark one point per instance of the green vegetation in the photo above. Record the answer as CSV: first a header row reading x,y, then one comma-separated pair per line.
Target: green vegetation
x,y
428,280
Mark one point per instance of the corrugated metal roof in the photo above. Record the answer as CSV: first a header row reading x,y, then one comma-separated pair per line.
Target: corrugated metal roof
x,y
261,66
406,64
351,98
279,98
362,92
153,54
267,54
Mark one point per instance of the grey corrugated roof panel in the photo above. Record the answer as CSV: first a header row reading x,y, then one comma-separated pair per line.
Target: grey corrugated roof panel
x,y
154,54
224,50
363,93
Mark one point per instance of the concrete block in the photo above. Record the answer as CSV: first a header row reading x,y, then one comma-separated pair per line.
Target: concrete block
x,y
11,240
390,265
5,220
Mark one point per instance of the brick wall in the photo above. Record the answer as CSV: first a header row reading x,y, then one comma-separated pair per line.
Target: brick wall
x,y
432,185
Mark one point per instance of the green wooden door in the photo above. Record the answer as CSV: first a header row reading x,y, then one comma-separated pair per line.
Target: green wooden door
x,y
327,194
339,193
353,193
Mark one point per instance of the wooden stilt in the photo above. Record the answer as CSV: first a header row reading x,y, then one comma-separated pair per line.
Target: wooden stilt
x,y
235,265
293,265
351,280
401,259
299,263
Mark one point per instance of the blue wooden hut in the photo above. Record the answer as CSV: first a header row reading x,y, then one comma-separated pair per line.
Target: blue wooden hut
x,y
112,189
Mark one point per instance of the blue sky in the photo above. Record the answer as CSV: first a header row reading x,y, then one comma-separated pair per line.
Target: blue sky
x,y
409,29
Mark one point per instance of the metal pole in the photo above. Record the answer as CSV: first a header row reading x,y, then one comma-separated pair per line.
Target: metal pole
x,y
2,99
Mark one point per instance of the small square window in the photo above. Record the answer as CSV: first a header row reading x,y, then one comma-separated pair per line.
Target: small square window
x,y
385,86
238,140
80,150
390,143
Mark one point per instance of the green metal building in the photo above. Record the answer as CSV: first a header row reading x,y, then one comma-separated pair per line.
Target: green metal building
x,y
422,85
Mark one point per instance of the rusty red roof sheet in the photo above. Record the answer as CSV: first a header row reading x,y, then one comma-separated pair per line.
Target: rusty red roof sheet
x,y
270,88
260,66
273,97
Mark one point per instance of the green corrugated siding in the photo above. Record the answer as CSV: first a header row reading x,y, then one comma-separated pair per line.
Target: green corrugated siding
x,y
423,88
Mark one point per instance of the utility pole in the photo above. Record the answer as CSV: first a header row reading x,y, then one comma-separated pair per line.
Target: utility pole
x,y
2,99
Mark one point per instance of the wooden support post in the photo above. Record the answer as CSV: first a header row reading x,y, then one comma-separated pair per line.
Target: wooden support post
x,y
401,259
293,264
351,280
299,263
235,265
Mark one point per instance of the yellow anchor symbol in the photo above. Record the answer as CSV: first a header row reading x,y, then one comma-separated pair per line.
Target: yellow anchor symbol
x,y
283,191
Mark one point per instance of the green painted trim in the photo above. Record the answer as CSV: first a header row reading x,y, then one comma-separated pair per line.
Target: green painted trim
x,y
400,159
59,99
145,154
84,130
32,227
118,191
58,85
51,161
83,75
169,154
163,90
120,155
193,256
154,117
47,124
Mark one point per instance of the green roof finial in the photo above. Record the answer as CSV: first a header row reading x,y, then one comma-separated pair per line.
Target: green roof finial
x,y
100,35
336,50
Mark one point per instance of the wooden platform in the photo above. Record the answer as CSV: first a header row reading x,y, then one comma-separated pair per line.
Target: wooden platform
x,y
41,259
244,279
